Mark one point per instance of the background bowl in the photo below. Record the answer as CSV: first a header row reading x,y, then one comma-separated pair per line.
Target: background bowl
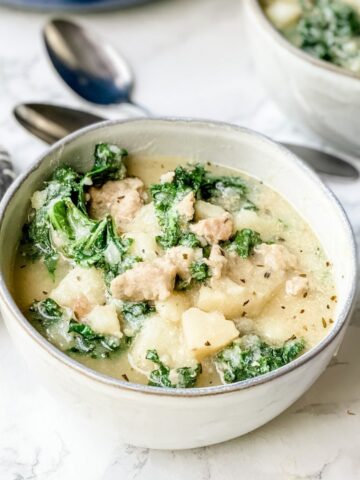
x,y
322,96
168,418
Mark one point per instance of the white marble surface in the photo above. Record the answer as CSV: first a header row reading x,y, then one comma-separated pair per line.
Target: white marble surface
x,y
190,58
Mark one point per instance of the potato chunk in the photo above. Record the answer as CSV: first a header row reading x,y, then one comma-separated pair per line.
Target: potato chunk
x,y
207,333
167,339
223,296
353,3
284,13
144,245
145,221
173,307
103,319
250,219
261,275
207,210
81,290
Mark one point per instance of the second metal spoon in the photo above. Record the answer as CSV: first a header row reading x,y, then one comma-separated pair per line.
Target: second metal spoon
x,y
53,122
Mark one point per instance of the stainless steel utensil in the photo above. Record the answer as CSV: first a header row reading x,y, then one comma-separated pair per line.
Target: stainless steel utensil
x,y
90,66
52,122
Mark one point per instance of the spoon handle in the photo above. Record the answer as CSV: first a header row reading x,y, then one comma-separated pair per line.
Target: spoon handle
x,y
7,173
133,109
53,122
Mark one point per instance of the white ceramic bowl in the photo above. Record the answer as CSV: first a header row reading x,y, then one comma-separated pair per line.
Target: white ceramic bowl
x,y
322,96
167,418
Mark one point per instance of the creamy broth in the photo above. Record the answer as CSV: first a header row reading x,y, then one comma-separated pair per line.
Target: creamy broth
x,y
308,315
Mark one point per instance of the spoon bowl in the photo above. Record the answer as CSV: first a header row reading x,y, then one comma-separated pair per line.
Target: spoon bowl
x,y
50,122
90,66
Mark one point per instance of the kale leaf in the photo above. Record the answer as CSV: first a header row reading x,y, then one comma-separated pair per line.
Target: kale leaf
x,y
36,241
63,207
244,242
72,336
189,239
88,342
325,28
229,192
249,357
165,197
46,312
90,242
199,271
160,377
134,314
108,164
187,179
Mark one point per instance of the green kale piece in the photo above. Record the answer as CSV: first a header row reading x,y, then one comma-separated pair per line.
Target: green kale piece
x,y
36,240
69,221
71,336
192,178
64,187
165,196
171,228
160,377
108,165
116,258
187,376
134,314
244,242
229,192
215,185
325,28
249,357
88,342
47,312
90,242
189,239
199,271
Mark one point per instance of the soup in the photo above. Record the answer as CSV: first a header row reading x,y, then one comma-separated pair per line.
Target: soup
x,y
326,29
162,272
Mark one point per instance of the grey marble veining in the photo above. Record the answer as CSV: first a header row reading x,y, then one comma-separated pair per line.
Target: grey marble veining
x,y
190,58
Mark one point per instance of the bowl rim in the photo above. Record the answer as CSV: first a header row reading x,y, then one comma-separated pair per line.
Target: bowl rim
x,y
270,28
106,380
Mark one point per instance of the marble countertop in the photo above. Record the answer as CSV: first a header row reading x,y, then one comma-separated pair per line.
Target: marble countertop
x,y
190,58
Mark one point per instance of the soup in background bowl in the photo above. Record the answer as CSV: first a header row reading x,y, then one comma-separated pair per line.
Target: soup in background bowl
x,y
326,29
307,76
199,279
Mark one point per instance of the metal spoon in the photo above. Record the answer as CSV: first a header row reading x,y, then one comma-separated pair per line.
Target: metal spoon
x,y
94,69
52,122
